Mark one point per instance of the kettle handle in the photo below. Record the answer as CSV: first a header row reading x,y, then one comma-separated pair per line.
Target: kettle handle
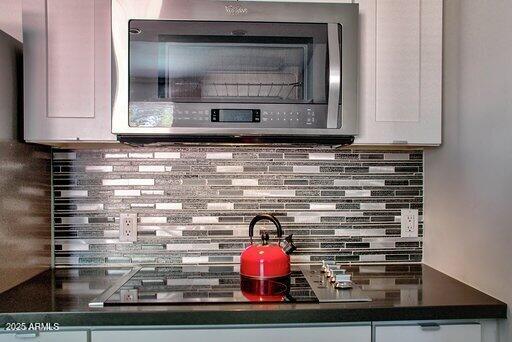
x,y
269,217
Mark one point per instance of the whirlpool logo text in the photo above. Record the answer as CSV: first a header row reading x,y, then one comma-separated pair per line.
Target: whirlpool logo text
x,y
236,10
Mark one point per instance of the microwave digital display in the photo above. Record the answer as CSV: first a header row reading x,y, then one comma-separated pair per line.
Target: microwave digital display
x,y
235,115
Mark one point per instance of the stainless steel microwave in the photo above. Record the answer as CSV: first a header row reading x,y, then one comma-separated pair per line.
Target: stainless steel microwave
x,y
200,70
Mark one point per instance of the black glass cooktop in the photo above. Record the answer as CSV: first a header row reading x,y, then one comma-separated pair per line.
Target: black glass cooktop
x,y
206,284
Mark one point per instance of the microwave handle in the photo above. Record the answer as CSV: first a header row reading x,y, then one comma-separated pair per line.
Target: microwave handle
x,y
333,41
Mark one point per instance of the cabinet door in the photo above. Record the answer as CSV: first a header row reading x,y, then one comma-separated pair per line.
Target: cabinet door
x,y
306,334
441,333
57,336
67,70
400,72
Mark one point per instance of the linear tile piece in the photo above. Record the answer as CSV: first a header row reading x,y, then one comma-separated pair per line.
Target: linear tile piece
x,y
308,219
244,182
358,193
170,206
74,220
127,193
396,156
152,192
138,155
194,203
221,206
167,155
219,155
322,156
373,206
153,219
125,181
151,168
64,155
381,169
116,155
99,168
322,206
372,257
192,246
306,169
205,219
195,260
74,193
359,182
230,168
269,193
326,213
142,205
89,206
72,246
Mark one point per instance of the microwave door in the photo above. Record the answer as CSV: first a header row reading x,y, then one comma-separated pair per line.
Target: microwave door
x,y
180,72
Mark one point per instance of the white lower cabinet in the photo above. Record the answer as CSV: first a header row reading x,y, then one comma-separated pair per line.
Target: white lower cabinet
x,y
361,333
429,333
54,336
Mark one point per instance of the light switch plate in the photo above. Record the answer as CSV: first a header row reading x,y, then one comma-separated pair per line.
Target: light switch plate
x,y
409,222
128,227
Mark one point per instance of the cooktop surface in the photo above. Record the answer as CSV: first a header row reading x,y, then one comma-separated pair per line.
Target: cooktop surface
x,y
205,284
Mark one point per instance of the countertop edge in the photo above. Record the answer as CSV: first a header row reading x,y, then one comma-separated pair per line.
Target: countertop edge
x,y
232,317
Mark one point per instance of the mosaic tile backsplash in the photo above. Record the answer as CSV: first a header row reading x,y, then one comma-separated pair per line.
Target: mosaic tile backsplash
x,y
194,203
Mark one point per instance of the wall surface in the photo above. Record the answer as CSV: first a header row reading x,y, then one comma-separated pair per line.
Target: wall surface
x,y
10,18
24,181
468,186
195,203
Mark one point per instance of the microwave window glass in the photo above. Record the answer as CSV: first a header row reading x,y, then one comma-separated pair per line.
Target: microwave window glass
x,y
174,62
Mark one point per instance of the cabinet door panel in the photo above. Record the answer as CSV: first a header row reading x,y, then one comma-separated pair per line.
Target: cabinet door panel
x,y
67,67
306,334
400,72
398,60
415,333
70,58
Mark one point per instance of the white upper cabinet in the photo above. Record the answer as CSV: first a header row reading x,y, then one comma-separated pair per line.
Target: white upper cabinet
x,y
400,72
67,60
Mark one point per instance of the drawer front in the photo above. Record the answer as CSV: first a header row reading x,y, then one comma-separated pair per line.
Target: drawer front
x,y
429,333
339,334
58,336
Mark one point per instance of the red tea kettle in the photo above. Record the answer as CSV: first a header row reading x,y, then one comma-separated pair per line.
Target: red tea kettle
x,y
266,260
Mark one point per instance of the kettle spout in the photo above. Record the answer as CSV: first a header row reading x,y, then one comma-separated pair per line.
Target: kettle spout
x,y
289,247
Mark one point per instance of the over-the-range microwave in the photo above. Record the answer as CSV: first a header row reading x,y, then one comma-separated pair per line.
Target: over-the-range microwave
x,y
225,71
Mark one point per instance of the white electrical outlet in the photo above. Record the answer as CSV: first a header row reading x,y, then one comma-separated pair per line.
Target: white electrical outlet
x,y
409,222
128,228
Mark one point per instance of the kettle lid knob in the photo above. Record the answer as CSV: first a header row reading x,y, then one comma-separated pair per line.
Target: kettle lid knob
x,y
265,237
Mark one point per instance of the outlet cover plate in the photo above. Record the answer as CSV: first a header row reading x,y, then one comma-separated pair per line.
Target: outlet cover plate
x,y
409,222
128,227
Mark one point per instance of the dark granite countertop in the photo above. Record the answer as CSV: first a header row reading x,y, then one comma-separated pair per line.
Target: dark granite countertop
x,y
398,292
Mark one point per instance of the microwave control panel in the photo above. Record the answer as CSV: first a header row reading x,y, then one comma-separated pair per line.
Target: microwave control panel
x,y
255,118
190,115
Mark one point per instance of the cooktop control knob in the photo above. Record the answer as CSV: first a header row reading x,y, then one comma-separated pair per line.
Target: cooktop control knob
x,y
328,273
343,281
343,277
334,275
326,265
343,285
